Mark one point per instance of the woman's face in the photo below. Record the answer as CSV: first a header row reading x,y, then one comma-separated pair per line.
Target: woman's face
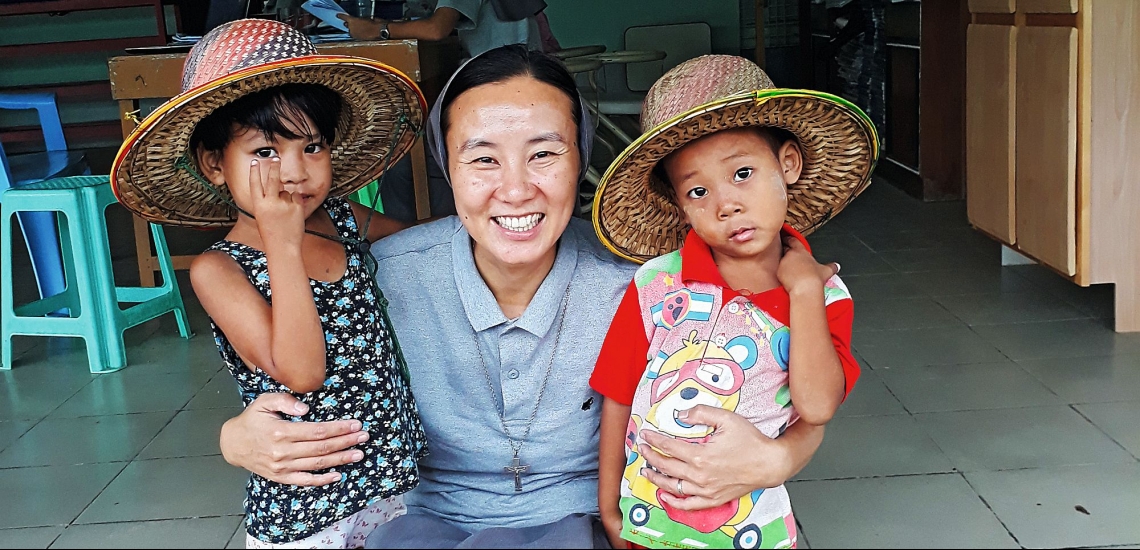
x,y
513,161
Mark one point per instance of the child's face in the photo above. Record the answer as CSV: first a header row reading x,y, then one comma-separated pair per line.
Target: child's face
x,y
306,164
732,188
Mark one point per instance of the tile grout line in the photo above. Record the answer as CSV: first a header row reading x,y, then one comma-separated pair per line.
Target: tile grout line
x,y
1099,429
991,509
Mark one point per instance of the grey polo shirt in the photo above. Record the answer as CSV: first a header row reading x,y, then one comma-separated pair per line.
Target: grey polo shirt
x,y
480,29
441,310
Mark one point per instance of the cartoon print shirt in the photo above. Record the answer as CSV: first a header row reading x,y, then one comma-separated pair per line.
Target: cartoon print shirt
x,y
680,338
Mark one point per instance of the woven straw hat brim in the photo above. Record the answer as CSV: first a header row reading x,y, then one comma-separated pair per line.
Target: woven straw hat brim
x,y
147,182
840,149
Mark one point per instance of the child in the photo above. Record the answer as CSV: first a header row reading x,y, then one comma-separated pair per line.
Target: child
x,y
279,136
742,317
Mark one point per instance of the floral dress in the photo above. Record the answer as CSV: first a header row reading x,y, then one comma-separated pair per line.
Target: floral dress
x,y
366,381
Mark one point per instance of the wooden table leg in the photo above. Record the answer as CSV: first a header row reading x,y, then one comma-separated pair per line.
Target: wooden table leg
x,y
420,179
147,262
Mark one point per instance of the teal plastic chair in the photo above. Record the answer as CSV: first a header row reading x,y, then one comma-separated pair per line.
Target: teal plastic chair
x,y
39,228
90,296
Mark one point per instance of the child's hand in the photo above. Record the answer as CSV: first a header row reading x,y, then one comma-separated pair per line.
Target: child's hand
x,y
280,216
613,530
799,271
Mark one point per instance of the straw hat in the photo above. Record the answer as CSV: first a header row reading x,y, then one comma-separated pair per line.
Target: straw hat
x,y
716,92
383,109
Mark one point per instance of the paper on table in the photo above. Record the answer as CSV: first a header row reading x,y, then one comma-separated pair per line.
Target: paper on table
x,y
326,10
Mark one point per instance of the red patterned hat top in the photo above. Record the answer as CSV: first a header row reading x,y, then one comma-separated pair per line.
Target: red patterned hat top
x,y
239,45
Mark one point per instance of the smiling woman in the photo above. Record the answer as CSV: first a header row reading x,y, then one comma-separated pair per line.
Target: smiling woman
x,y
501,312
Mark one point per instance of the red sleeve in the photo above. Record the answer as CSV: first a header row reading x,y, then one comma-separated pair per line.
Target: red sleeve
x,y
622,360
840,316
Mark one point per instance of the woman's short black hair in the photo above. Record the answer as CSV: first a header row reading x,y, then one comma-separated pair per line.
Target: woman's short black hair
x,y
505,63
269,111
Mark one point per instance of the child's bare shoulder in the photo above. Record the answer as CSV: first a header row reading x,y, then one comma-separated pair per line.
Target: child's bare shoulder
x,y
211,268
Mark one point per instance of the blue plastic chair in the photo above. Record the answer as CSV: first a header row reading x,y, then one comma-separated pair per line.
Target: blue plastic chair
x,y
39,228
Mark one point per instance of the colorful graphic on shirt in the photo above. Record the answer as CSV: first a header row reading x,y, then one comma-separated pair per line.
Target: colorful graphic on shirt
x,y
669,264
700,373
683,305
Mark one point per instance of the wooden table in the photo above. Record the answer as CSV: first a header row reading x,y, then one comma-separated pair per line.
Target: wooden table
x,y
159,76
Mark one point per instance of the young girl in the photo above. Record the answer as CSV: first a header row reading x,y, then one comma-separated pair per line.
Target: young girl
x,y
293,306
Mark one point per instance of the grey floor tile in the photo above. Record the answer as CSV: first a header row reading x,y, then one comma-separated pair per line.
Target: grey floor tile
x,y
33,537
191,433
875,446
1096,300
237,541
11,430
995,309
869,398
967,387
1040,506
220,393
169,489
865,288
1118,420
87,440
176,533
126,392
53,495
952,345
32,391
1079,338
1089,379
988,280
853,261
169,353
901,313
964,238
941,258
1020,438
935,511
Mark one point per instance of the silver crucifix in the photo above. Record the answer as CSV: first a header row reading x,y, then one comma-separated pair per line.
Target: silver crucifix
x,y
518,469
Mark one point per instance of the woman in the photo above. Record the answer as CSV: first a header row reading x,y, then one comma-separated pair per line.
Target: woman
x,y
501,313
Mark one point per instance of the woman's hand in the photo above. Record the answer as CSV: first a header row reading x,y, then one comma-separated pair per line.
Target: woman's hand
x,y
736,460
361,28
260,441
798,270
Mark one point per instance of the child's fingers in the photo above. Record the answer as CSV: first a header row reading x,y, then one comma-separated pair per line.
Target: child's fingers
x,y
275,187
256,187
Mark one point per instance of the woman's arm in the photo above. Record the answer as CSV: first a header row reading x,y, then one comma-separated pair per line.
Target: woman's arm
x,y
437,26
611,466
737,459
380,225
260,441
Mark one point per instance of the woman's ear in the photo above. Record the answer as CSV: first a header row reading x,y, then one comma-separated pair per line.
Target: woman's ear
x,y
791,161
210,163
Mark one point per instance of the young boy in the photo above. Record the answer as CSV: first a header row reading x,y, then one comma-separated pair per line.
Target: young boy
x,y
742,317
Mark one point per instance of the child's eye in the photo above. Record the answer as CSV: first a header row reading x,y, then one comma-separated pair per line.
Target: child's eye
x,y
697,192
314,148
266,153
742,174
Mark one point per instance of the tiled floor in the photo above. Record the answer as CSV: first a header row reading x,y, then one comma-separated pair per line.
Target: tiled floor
x,y
996,409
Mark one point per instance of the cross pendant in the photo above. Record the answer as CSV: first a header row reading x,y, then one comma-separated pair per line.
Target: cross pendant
x,y
518,469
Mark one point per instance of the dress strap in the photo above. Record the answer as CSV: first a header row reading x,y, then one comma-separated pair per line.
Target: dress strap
x,y
341,213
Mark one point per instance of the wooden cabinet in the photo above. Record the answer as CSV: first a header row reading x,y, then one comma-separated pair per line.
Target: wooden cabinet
x,y
1053,126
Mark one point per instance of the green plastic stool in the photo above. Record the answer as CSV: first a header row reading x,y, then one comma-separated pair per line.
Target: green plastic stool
x,y
91,296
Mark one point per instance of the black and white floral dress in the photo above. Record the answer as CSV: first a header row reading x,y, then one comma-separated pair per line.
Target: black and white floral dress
x,y
365,381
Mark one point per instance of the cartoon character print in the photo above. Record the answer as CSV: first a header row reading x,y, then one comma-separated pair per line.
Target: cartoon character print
x,y
700,373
